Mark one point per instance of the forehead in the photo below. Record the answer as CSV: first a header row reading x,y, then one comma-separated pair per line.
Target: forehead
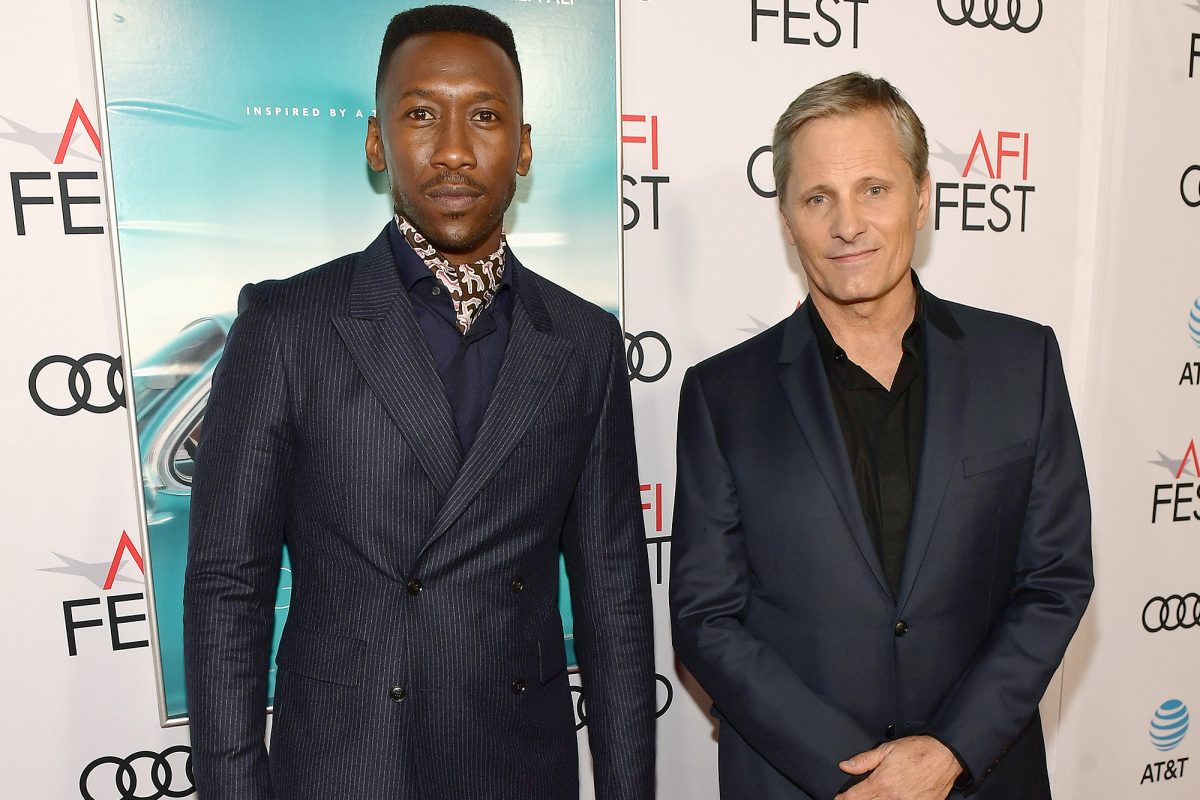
x,y
427,60
846,144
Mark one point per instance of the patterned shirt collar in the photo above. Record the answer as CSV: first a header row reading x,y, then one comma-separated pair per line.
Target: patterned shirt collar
x,y
472,286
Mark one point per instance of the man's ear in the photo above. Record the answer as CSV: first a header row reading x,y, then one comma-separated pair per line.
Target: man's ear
x,y
525,155
374,145
787,228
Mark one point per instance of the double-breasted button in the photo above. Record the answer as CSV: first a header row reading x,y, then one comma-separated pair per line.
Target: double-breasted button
x,y
901,628
414,587
518,686
518,585
890,732
398,694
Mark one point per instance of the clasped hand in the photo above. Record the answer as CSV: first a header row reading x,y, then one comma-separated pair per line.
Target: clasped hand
x,y
912,768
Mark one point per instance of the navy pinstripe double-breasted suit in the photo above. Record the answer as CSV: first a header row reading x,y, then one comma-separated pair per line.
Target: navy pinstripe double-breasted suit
x,y
423,653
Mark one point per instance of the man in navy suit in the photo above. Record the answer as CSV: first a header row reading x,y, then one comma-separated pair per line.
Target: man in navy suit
x,y
881,543
427,424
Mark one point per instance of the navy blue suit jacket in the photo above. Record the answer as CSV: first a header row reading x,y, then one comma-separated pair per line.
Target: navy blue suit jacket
x,y
423,652
780,605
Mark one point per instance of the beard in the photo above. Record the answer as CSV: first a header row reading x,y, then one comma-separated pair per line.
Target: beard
x,y
455,233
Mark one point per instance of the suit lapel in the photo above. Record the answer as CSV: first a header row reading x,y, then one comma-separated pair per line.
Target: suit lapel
x,y
807,389
382,334
946,390
533,362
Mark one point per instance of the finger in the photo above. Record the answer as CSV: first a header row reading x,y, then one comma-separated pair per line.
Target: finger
x,y
863,762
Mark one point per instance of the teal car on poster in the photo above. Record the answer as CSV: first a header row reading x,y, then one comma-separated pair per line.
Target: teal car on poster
x,y
171,390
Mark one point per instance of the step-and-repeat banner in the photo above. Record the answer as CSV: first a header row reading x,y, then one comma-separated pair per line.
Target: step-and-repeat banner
x,y
1066,188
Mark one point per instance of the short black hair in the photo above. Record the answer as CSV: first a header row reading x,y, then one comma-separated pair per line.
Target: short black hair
x,y
446,19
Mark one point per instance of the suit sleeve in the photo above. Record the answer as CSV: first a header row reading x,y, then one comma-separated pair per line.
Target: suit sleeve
x,y
604,544
1051,585
799,732
239,505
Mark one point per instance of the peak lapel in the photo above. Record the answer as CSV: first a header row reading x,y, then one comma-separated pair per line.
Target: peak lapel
x,y
947,389
807,389
385,341
533,362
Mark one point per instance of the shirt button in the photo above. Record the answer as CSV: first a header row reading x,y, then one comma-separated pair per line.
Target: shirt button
x,y
518,585
518,686
398,694
436,290
414,587
839,355
901,628
890,731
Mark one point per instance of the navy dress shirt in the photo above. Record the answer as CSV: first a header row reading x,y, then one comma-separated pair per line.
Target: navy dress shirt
x,y
468,364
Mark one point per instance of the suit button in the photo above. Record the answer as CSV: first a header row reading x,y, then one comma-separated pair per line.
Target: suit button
x,y
890,731
518,585
901,628
518,686
398,694
414,587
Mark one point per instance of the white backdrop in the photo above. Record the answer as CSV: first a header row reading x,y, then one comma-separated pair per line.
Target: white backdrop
x,y
1095,111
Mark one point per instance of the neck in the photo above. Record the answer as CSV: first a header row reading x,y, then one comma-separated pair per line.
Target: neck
x,y
871,333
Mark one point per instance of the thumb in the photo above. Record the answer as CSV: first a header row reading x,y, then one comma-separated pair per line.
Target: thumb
x,y
863,762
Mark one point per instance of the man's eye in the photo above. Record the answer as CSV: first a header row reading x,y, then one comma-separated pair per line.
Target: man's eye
x,y
420,114
817,200
875,191
486,116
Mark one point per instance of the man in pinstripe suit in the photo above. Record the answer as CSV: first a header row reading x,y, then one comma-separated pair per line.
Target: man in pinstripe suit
x,y
427,424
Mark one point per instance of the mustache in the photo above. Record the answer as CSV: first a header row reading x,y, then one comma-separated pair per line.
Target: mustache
x,y
453,179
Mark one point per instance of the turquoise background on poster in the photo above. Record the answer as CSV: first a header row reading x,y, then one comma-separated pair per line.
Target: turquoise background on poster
x,y
236,145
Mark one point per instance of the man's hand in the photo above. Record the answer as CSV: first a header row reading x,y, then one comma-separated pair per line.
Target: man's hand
x,y
912,768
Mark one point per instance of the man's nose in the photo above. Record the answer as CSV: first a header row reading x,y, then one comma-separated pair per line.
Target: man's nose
x,y
848,221
453,149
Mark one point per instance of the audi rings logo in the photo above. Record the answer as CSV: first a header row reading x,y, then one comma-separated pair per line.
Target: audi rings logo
x,y
62,386
1022,16
1171,613
144,775
664,696
647,355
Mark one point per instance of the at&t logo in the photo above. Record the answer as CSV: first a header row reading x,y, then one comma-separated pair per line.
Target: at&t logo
x,y
1191,369
1178,501
144,775
970,204
1022,16
1168,727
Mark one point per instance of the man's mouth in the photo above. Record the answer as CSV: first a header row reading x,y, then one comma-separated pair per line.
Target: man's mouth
x,y
454,196
852,258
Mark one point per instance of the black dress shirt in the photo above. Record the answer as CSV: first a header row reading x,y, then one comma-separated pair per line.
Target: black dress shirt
x,y
468,364
883,429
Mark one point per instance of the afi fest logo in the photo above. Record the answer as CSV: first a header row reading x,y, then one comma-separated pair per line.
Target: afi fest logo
x,y
80,613
1022,16
642,129
61,187
826,23
1168,727
1000,157
1178,501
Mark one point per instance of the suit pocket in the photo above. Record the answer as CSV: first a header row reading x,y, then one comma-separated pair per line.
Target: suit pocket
x,y
552,655
995,459
321,656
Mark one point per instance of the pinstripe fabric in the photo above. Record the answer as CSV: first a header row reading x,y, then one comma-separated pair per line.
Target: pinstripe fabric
x,y
328,427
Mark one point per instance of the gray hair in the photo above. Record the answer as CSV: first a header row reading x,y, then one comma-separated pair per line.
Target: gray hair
x,y
849,94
